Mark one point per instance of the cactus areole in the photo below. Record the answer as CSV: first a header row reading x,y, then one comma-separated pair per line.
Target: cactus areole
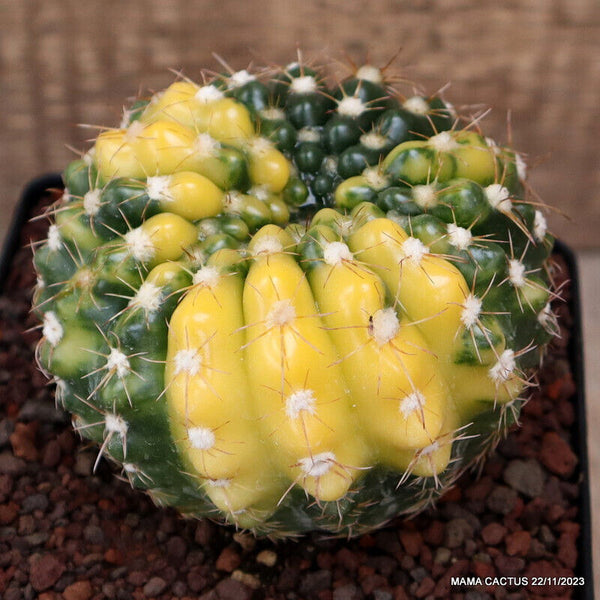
x,y
290,306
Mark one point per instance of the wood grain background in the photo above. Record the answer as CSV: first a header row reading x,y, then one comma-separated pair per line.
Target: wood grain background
x,y
66,62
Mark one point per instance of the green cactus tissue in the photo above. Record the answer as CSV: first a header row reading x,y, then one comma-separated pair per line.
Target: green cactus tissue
x,y
293,305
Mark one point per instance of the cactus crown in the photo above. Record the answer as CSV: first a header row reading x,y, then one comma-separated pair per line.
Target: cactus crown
x,y
294,306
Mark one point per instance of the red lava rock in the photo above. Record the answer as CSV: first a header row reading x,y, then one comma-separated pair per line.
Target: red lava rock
x,y
454,494
80,590
483,569
442,588
569,527
325,560
518,543
347,559
546,570
567,550
230,589
45,572
51,454
372,582
22,440
434,534
554,513
509,566
556,455
399,593
6,485
412,542
562,388
8,512
426,586
229,560
480,489
493,533
196,579
137,578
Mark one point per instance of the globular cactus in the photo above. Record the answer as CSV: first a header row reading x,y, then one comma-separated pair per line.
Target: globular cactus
x,y
291,306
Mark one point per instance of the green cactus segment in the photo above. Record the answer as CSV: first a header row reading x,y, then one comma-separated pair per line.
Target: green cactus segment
x,y
292,306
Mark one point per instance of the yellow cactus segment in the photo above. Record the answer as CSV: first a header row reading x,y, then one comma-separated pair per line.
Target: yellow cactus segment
x,y
208,398
428,288
73,227
280,213
296,385
419,166
474,158
172,104
164,273
270,239
202,109
226,120
159,148
267,166
474,384
392,376
166,237
192,196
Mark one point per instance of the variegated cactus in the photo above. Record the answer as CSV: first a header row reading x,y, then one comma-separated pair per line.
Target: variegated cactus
x,y
292,306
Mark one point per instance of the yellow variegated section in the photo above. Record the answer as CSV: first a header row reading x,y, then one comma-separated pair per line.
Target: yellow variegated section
x,y
277,377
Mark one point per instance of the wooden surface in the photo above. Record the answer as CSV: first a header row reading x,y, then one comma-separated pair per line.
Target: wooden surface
x,y
65,62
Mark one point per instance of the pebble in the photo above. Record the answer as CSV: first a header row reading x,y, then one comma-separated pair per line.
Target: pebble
x,y
155,587
442,556
176,548
267,558
248,579
230,589
11,465
7,426
84,463
314,582
525,476
34,502
245,540
502,500
348,592
39,409
22,440
457,531
493,533
229,560
93,534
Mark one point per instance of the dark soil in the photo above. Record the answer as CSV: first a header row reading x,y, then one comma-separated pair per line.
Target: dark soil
x,y
66,532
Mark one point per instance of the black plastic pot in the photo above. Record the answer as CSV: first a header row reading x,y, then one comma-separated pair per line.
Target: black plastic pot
x,y
36,191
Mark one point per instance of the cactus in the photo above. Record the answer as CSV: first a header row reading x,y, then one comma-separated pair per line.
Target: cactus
x,y
290,306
